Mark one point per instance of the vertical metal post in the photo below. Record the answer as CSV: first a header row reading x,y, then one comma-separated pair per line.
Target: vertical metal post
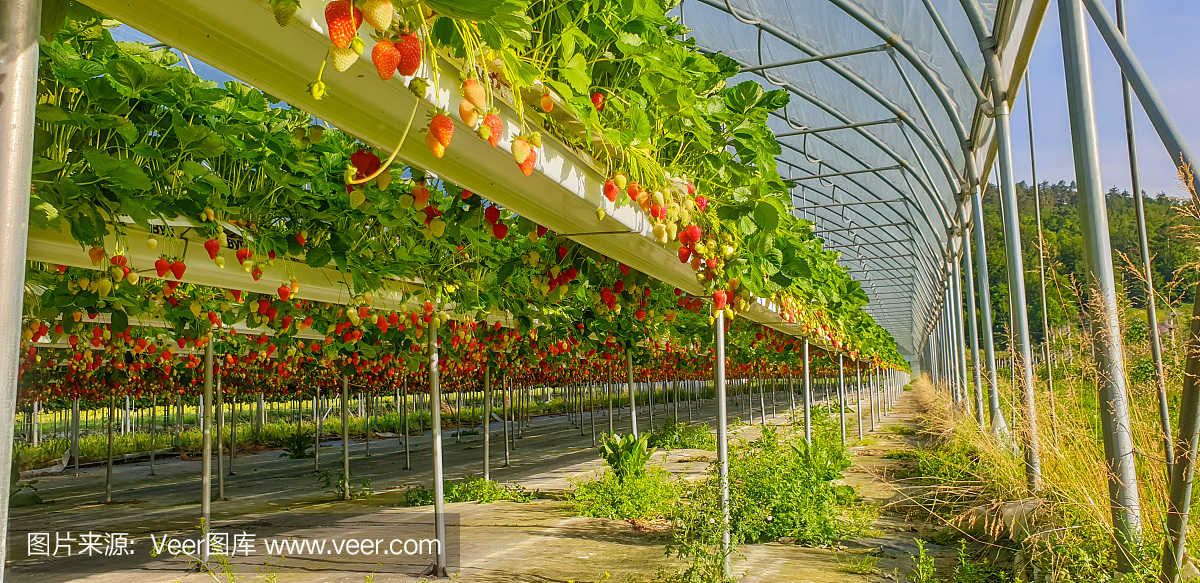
x,y
19,25
632,404
1106,336
1016,272
977,370
345,414
996,416
858,397
439,494
206,431
960,348
219,412
1183,474
842,396
75,433
1042,264
723,439
807,397
487,422
1164,413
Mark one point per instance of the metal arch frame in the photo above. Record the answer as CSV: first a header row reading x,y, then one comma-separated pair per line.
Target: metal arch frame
x,y
943,155
969,161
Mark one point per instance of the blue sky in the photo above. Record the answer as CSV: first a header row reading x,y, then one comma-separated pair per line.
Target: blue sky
x,y
1164,36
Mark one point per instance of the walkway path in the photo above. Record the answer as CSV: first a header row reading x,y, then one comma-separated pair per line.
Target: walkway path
x,y
499,542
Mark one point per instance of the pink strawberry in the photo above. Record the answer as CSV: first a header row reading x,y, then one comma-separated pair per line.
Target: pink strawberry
x,y
474,93
342,19
378,13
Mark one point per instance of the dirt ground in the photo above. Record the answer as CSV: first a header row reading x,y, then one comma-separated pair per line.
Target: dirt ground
x,y
500,542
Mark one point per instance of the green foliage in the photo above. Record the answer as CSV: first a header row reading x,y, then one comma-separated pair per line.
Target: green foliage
x,y
297,444
626,454
645,496
672,435
471,489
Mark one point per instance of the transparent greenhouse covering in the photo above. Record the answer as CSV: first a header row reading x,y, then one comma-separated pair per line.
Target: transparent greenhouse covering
x,y
889,101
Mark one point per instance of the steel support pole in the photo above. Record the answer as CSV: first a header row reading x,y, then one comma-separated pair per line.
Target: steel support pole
x,y
1042,264
996,416
206,448
1180,501
960,346
807,396
632,403
19,24
487,422
723,439
1016,278
842,396
439,493
1097,252
858,397
1164,414
977,370
344,411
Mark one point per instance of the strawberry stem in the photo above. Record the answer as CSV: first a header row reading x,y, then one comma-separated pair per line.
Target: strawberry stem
x,y
383,167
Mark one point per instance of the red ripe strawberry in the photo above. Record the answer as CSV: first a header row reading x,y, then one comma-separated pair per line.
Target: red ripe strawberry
x,y
656,210
342,20
701,203
177,269
640,314
442,128
385,57
719,299
491,129
528,165
684,254
162,266
237,295
243,254
257,273
500,230
213,247
693,234
410,49
61,268
631,190
598,101
492,214
302,238
611,191
624,269
284,292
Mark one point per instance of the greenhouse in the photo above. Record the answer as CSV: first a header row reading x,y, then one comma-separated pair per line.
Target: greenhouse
x,y
590,290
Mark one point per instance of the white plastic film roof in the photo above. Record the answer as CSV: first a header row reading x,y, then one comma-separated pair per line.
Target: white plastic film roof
x,y
909,77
